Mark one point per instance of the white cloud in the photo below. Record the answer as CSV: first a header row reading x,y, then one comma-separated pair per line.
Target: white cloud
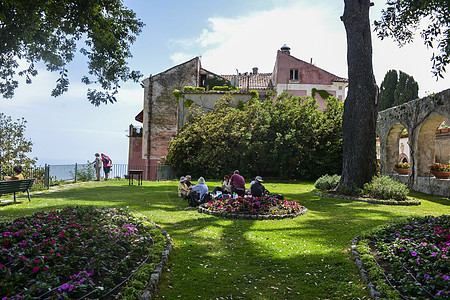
x,y
313,32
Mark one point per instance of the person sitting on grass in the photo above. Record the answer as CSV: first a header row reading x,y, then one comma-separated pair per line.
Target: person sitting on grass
x,y
18,174
238,183
257,189
201,188
183,190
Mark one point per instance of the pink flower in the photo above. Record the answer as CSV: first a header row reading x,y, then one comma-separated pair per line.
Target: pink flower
x,y
65,286
413,253
35,269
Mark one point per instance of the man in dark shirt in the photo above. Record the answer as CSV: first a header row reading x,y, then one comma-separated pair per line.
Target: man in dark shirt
x,y
238,183
257,189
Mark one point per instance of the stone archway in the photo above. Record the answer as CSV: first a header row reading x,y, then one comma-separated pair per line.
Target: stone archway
x,y
421,118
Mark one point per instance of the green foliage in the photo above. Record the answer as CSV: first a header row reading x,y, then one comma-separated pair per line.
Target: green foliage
x,y
49,31
216,81
402,18
14,147
176,94
324,94
225,88
384,187
255,94
85,173
397,89
188,103
192,89
288,137
327,182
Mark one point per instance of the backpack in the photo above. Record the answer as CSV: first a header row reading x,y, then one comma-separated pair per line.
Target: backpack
x,y
194,199
105,160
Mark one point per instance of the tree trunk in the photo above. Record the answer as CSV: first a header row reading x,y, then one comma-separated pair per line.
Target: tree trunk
x,y
360,107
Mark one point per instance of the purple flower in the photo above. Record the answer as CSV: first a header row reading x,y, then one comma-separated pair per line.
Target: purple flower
x,y
446,277
413,253
65,286
426,276
35,269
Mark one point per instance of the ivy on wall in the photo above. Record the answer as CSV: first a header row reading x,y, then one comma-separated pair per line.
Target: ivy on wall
x,y
324,94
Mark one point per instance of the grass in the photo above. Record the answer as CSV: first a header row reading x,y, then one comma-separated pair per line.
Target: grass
x,y
302,258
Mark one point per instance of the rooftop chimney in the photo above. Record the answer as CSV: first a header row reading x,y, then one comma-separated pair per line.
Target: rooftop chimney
x,y
255,70
286,49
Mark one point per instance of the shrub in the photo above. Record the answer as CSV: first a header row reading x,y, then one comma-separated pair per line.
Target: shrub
x,y
327,182
384,187
225,88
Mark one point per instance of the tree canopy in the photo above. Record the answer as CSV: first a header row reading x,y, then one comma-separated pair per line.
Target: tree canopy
x,y
396,89
288,137
401,19
49,31
14,147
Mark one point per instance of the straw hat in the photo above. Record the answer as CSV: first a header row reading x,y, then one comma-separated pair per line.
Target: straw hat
x,y
201,180
182,179
259,178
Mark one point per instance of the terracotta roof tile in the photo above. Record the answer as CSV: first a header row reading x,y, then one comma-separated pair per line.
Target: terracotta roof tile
x,y
248,82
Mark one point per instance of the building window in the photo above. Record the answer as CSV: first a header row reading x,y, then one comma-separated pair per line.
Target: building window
x,y
340,87
294,74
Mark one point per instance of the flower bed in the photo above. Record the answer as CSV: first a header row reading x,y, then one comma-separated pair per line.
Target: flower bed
x,y
331,194
75,252
414,253
261,208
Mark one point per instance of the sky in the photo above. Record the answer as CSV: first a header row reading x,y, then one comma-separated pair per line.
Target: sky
x,y
228,36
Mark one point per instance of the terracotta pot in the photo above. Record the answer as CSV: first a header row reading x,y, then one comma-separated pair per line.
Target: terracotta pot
x,y
402,171
441,174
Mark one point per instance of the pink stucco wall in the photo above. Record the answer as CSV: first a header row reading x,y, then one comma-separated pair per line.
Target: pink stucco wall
x,y
307,73
299,93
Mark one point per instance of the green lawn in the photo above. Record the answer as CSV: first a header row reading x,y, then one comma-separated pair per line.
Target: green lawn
x,y
303,258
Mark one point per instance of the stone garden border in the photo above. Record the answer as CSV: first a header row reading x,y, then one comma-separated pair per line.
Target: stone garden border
x,y
374,294
383,202
201,209
156,274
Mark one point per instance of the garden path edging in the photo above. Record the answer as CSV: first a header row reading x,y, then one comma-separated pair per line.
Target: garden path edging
x,y
201,209
156,275
382,202
374,294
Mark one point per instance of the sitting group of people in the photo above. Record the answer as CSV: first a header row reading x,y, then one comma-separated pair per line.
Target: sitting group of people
x,y
230,187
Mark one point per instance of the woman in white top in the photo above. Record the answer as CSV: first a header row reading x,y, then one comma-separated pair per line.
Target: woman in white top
x,y
226,184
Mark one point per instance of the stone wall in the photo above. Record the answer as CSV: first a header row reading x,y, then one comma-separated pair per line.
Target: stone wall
x,y
421,118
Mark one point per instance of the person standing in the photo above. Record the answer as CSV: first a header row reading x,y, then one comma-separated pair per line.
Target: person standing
x,y
107,162
97,166
238,183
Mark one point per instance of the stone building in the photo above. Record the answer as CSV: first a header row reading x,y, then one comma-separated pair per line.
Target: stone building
x,y
162,115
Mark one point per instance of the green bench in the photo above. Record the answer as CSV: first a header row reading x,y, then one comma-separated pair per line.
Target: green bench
x,y
15,186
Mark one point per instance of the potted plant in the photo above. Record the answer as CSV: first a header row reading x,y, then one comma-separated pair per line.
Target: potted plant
x,y
402,168
440,171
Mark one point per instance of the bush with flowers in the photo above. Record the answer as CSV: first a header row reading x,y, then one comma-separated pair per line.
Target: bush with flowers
x,y
402,165
266,205
74,252
417,251
437,167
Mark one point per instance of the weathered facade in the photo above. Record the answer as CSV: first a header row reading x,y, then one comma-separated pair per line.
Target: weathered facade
x,y
421,118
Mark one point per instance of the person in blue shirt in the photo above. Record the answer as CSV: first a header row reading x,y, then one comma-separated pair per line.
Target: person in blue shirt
x,y
201,188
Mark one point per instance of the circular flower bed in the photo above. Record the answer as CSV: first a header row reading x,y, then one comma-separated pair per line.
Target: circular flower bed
x,y
76,252
261,208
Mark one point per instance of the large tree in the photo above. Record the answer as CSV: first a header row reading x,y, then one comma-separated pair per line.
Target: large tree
x,y
14,147
396,89
49,31
360,108
402,18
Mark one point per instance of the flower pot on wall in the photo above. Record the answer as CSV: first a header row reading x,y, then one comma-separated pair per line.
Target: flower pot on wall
x,y
402,171
441,174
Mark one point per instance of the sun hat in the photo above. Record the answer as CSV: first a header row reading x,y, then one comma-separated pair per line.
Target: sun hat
x,y
182,179
201,180
259,178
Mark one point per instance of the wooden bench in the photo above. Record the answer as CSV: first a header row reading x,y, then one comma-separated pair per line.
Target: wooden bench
x,y
14,186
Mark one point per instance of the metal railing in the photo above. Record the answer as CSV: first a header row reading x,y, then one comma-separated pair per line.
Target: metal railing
x,y
49,175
